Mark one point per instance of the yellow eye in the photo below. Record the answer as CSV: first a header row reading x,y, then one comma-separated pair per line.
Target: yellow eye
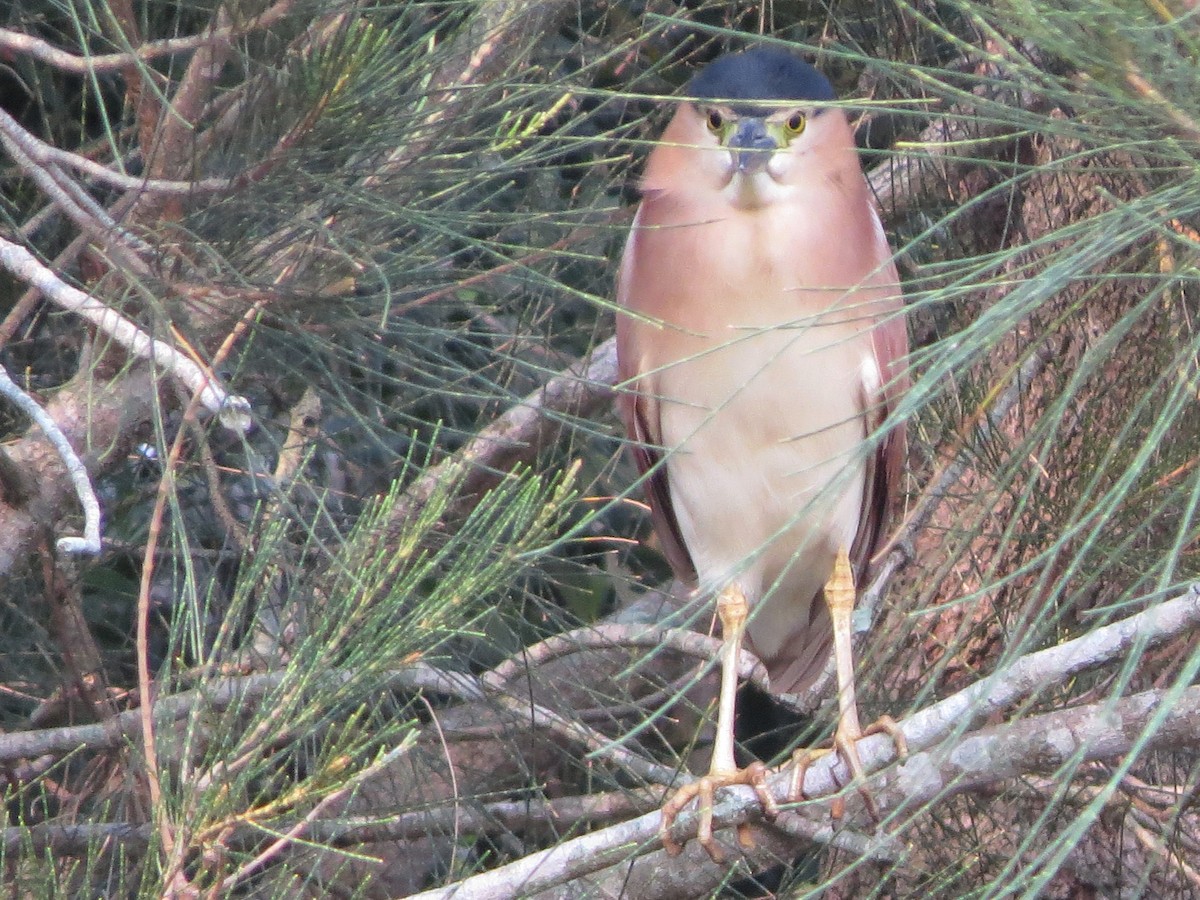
x,y
795,123
715,121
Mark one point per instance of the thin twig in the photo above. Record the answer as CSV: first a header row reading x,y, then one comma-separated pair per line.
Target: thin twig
x,y
591,740
354,831
43,51
48,155
616,635
216,694
451,771
76,470
166,488
79,207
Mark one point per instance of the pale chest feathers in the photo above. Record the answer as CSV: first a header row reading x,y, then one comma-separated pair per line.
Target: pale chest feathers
x,y
765,468
821,256
760,374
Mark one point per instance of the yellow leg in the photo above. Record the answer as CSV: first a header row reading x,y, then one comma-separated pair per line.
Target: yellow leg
x,y
732,609
723,772
839,596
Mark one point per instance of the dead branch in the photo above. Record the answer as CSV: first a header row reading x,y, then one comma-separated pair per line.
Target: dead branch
x,y
933,733
943,726
232,410
518,434
88,415
351,831
46,155
76,471
217,694
494,687
43,51
608,635
91,218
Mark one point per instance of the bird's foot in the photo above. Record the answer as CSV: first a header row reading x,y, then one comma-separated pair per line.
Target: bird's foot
x,y
703,790
846,744
802,759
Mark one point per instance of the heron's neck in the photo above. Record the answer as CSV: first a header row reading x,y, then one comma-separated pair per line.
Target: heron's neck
x,y
756,191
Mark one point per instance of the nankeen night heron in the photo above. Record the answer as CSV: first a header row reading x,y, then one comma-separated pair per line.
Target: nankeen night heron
x,y
761,344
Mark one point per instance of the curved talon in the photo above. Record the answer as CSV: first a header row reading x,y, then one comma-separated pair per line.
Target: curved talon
x,y
756,776
846,746
849,750
889,726
704,790
801,760
670,811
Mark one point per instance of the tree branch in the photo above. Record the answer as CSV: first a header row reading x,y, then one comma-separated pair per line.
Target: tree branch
x,y
966,762
978,760
76,470
91,218
232,410
46,155
43,51
520,432
102,417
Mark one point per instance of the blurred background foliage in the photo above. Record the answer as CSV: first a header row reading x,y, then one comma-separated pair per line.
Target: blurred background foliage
x,y
421,211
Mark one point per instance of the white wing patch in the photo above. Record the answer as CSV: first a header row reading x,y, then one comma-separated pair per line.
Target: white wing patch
x,y
872,379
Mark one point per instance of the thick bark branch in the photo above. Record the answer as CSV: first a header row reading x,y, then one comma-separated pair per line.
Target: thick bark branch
x,y
978,760
955,761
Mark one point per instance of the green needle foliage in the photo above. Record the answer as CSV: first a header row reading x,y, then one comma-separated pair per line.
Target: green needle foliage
x,y
384,602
